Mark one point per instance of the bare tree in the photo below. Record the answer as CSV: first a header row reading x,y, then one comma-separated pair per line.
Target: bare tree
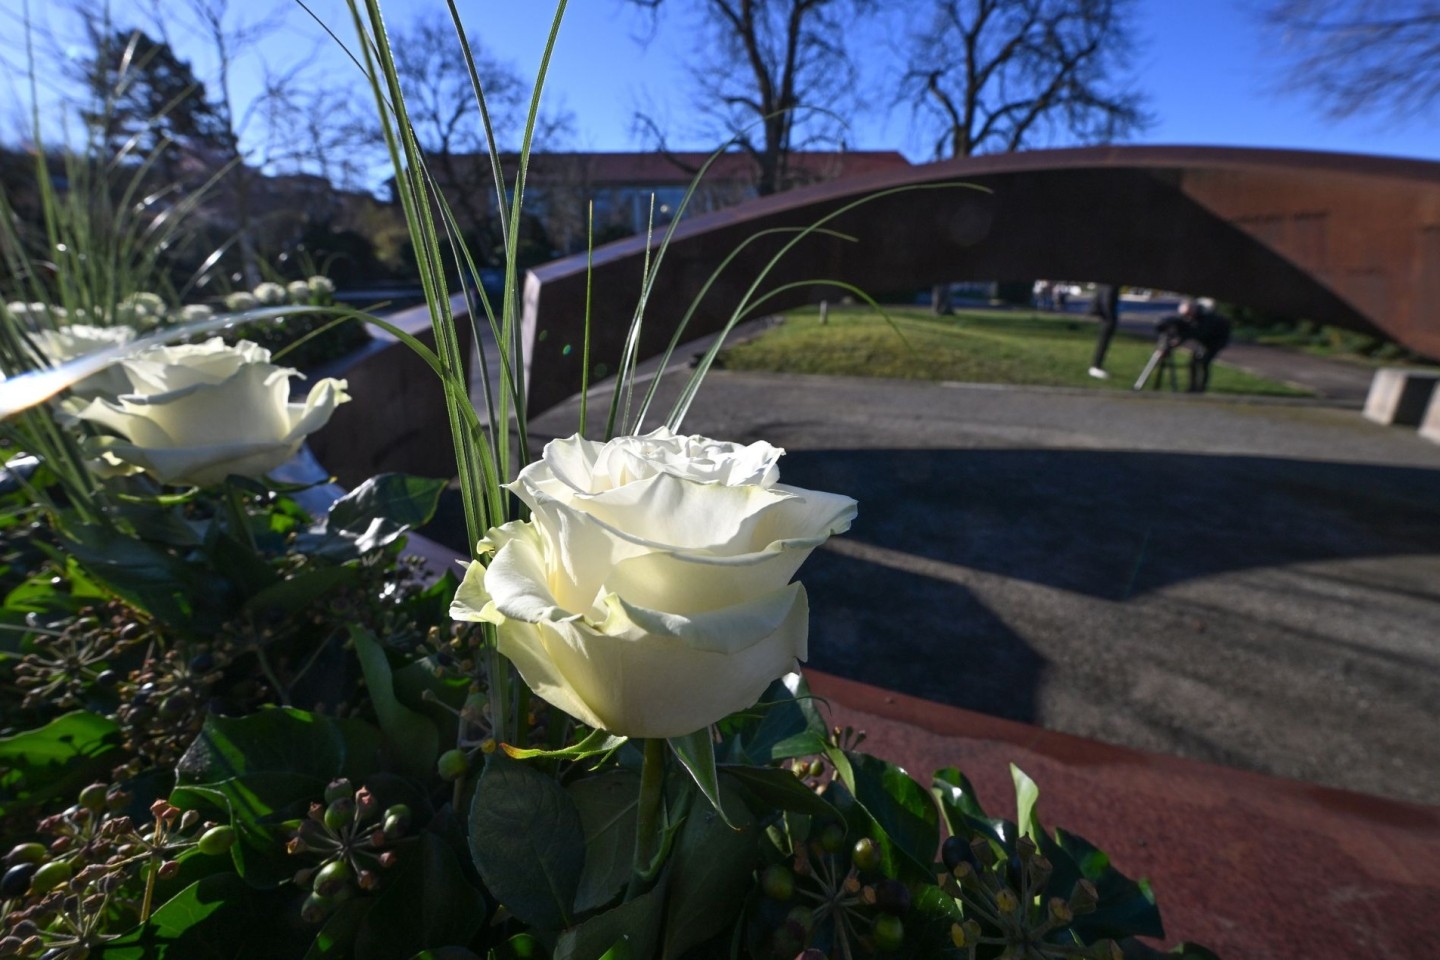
x,y
1359,55
294,123
994,76
441,102
773,74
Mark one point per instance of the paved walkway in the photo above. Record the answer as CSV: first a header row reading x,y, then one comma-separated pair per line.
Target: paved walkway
x,y
1249,583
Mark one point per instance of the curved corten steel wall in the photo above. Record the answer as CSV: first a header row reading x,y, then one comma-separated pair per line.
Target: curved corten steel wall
x,y
1348,240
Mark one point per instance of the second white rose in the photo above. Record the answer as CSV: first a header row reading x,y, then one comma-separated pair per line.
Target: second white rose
x,y
197,413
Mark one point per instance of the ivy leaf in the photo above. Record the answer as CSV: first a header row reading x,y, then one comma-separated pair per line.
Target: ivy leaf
x,y
897,807
527,841
630,930
374,515
711,867
56,760
217,918
414,742
778,788
1027,792
963,813
608,806
428,903
1126,907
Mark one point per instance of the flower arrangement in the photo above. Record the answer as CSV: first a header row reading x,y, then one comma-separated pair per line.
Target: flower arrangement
x,y
241,722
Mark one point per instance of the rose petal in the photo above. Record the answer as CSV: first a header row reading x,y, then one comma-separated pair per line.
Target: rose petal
x,y
653,687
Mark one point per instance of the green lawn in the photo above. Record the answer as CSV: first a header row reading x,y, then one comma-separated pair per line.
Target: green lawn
x,y
977,346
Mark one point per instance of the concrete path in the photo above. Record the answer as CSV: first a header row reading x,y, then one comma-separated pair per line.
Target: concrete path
x,y
1250,583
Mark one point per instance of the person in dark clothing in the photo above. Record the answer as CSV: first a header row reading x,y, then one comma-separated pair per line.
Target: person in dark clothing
x,y
1197,328
1106,306
1209,334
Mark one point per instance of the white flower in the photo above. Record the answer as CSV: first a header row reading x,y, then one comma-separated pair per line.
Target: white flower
x,y
298,290
141,310
270,294
79,339
195,312
35,315
200,412
241,300
649,594
321,286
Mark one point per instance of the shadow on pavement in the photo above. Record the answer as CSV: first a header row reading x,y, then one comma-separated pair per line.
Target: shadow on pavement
x,y
1117,524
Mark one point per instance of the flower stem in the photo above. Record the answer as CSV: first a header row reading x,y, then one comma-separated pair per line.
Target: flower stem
x,y
647,817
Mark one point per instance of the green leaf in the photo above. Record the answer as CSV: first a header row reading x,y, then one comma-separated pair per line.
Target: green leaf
x,y
374,515
54,761
427,903
279,739
1126,907
711,868
593,744
900,809
217,918
608,806
527,841
961,807
337,936
696,752
775,787
263,769
148,577
789,725
1026,795
414,742
630,930
299,592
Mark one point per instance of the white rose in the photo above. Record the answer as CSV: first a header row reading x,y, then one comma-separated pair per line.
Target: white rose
x,y
200,412
321,286
270,294
241,300
35,315
298,290
141,309
649,594
79,339
195,312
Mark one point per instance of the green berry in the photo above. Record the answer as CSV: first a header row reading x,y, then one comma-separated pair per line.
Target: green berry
x,y
866,855
27,853
340,813
92,798
332,878
889,932
397,821
216,840
50,876
452,765
777,882
832,838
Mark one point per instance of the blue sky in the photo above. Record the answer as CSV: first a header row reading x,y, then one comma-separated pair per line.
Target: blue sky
x,y
1201,62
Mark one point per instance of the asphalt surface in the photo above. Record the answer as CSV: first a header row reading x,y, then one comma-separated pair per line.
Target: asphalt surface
x,y
1250,583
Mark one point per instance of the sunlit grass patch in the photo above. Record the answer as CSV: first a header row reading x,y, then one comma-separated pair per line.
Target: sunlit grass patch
x,y
976,346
